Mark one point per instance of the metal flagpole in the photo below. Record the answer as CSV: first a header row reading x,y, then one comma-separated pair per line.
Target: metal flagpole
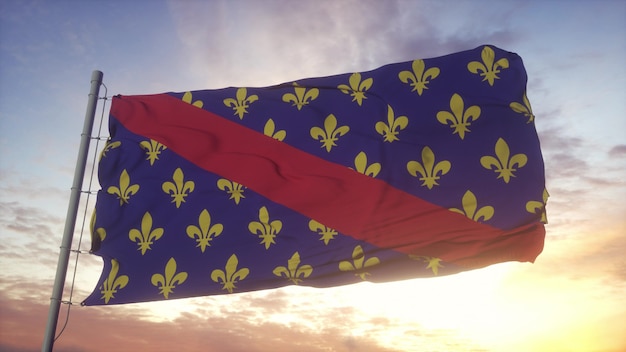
x,y
72,210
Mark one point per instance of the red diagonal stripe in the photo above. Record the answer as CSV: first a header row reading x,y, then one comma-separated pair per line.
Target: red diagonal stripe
x,y
354,204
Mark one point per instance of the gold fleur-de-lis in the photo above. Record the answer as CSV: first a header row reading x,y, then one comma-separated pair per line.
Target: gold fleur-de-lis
x,y
110,145
294,270
234,189
391,129
330,134
419,77
125,189
153,149
460,118
242,103
489,67
187,98
204,232
360,164
167,283
113,282
429,170
100,232
231,276
146,236
505,164
534,206
470,204
326,232
269,129
358,264
357,88
179,189
266,229
433,263
523,109
301,97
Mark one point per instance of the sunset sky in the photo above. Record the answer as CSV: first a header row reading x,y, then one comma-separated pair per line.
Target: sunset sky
x,y
573,298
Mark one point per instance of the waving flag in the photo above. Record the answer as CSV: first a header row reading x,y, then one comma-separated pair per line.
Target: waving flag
x,y
415,169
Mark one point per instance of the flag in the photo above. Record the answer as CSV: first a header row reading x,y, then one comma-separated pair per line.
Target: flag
x,y
415,169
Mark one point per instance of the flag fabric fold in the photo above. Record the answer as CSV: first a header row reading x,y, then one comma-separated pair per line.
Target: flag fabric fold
x,y
415,169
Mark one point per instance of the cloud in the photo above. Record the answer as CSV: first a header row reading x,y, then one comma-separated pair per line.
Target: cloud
x,y
592,254
293,318
107,328
29,232
275,41
28,221
30,245
578,179
266,43
618,151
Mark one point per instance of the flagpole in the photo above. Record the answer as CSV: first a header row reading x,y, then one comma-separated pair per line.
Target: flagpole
x,y
72,211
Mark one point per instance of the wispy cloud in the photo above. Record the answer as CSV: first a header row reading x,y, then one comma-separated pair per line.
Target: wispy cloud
x,y
236,329
276,41
618,151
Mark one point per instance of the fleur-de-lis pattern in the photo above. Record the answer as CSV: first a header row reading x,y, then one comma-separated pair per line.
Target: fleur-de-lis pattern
x,y
326,233
231,275
419,77
153,149
167,281
360,165
205,231
180,188
330,134
265,228
471,209
113,282
145,235
323,182
301,96
524,108
394,125
534,206
241,102
188,98
504,164
98,234
356,87
359,265
294,272
489,67
429,170
433,263
270,131
109,146
124,190
233,189
458,117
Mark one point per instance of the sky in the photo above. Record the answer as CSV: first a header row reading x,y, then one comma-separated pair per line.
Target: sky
x,y
573,298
